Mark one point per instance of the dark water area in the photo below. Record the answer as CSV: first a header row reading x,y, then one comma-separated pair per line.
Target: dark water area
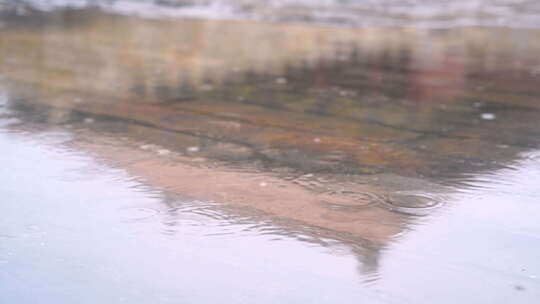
x,y
177,160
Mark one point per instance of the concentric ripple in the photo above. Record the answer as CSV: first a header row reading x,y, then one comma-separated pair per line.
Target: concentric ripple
x,y
347,200
412,202
137,214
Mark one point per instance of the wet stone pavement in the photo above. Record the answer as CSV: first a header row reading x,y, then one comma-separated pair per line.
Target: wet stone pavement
x,y
415,149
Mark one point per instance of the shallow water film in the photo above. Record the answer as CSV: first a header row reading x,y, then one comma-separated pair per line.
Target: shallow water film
x,y
244,152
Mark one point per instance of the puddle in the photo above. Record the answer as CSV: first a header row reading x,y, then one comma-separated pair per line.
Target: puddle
x,y
164,160
107,240
66,237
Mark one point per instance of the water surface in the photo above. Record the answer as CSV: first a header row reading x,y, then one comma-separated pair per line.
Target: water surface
x,y
174,160
75,230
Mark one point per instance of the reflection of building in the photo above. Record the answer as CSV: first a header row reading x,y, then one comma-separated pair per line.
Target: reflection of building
x,y
437,78
112,54
351,106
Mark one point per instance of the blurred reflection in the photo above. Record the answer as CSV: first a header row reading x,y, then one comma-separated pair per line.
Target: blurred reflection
x,y
82,226
347,130
317,98
366,13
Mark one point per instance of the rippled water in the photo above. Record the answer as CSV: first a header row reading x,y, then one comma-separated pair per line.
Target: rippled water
x,y
177,161
74,229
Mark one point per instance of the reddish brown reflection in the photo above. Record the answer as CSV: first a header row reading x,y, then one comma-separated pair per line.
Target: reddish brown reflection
x,y
318,124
